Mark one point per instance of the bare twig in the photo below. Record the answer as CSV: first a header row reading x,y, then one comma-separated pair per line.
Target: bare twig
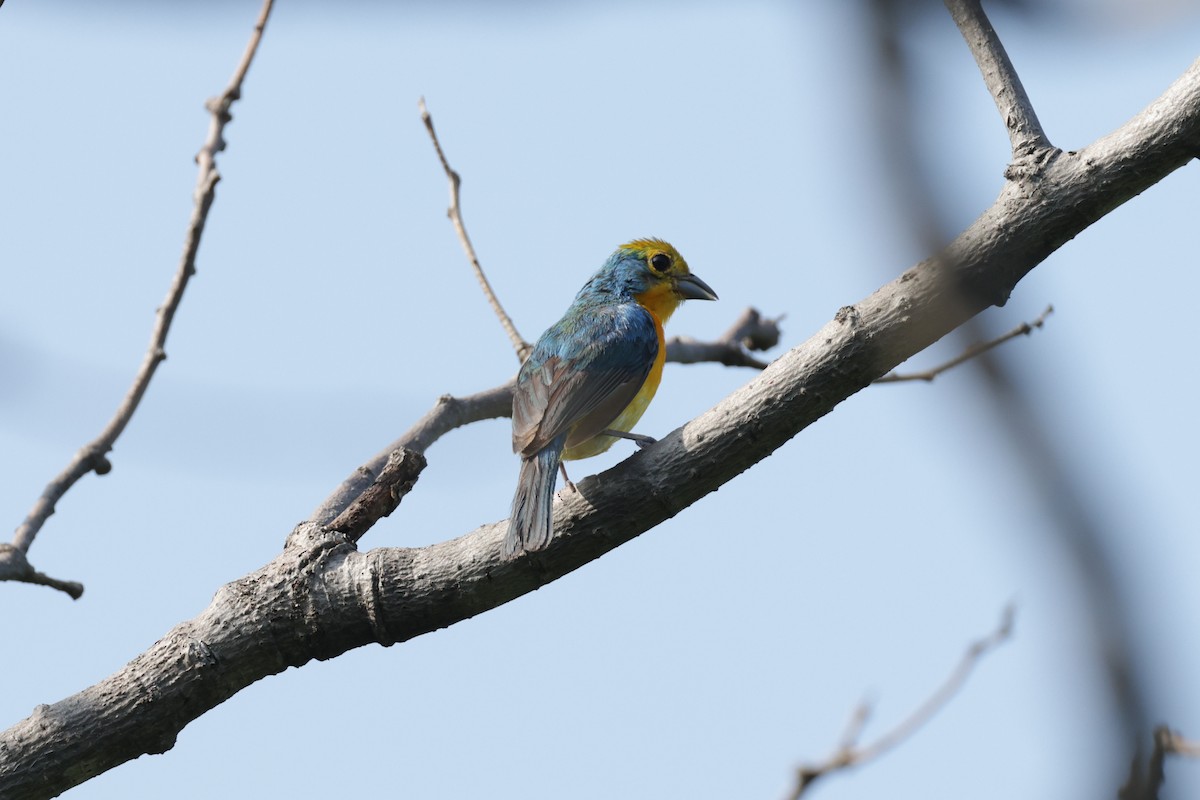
x,y
1024,329
93,456
1024,130
521,346
849,754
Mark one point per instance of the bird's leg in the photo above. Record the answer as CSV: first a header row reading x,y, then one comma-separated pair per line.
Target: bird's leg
x,y
641,441
570,485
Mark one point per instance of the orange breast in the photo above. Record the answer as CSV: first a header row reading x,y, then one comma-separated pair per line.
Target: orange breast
x,y
661,301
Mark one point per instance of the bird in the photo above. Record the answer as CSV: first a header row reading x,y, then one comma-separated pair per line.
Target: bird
x,y
591,375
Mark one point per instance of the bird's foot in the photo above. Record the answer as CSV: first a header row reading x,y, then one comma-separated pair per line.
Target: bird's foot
x,y
566,480
640,440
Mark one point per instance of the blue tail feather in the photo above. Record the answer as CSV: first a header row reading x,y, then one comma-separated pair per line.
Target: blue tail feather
x,y
530,526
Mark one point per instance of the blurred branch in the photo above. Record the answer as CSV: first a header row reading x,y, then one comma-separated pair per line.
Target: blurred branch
x,y
93,457
1148,785
1024,130
751,330
521,346
849,754
1173,743
1066,504
1024,329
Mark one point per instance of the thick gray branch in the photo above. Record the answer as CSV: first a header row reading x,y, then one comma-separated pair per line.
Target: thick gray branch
x,y
321,597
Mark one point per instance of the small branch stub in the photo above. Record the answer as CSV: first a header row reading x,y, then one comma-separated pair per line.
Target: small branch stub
x,y
383,496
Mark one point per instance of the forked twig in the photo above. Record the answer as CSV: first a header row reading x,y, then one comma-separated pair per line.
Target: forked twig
x,y
1024,329
93,457
521,346
849,754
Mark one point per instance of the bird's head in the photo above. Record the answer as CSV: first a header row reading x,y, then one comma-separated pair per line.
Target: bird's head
x,y
654,273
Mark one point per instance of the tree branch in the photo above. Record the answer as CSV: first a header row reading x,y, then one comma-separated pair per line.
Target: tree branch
x,y
1146,785
1024,329
447,414
751,331
521,346
322,597
14,566
1172,742
383,496
849,754
1024,130
93,457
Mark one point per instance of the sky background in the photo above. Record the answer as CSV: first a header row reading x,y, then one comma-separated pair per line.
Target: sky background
x,y
712,655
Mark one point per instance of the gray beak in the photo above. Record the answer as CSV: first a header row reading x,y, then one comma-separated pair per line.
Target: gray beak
x,y
692,288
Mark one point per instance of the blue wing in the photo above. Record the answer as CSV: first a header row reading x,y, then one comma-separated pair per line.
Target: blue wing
x,y
581,375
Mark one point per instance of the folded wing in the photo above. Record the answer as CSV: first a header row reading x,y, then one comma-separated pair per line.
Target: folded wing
x,y
581,376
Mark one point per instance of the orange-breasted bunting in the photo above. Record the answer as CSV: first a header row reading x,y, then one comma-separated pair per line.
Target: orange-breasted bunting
x,y
591,375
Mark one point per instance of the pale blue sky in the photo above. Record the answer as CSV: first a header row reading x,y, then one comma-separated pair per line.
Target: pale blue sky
x,y
332,306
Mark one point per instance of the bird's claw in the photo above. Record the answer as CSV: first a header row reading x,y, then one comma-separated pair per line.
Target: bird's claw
x,y
640,439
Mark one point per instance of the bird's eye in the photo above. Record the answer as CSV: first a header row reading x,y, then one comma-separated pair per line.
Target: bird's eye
x,y
661,262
